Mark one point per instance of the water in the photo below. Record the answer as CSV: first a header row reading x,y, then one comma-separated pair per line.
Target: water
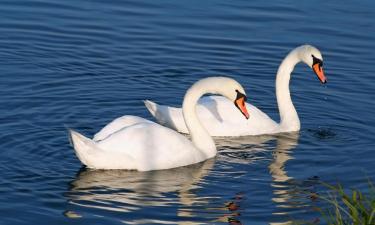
x,y
70,64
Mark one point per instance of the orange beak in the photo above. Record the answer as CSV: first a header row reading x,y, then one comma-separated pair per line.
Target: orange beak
x,y
240,104
318,69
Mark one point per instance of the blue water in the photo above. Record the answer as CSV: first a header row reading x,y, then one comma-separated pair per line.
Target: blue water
x,y
80,64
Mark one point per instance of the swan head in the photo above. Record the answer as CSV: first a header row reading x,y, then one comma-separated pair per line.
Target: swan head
x,y
239,102
313,58
234,91
225,86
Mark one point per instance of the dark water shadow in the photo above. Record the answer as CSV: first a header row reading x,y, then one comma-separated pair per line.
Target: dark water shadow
x,y
323,133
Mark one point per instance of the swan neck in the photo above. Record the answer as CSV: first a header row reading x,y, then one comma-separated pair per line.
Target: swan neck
x,y
199,135
289,120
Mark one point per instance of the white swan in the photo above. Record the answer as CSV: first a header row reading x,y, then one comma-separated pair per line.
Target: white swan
x,y
135,143
219,117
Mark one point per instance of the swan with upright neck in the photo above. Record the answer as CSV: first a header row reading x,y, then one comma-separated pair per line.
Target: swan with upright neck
x,y
218,116
134,143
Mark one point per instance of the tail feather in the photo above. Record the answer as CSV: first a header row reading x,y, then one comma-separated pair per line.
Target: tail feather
x,y
92,156
164,115
151,106
82,146
157,112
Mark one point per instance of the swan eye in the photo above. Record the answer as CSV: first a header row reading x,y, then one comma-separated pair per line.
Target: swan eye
x,y
240,95
317,61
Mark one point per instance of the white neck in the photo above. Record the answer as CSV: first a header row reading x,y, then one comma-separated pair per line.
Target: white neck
x,y
199,135
289,120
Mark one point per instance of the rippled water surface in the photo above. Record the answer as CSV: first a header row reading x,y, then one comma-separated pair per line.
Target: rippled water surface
x,y
80,64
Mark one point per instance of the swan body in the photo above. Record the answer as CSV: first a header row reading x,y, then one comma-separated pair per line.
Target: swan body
x,y
222,120
134,143
218,116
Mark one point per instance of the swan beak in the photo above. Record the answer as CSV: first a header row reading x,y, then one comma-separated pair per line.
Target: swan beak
x,y
240,104
318,69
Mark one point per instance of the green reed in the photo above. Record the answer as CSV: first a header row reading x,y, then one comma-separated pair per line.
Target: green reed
x,y
349,208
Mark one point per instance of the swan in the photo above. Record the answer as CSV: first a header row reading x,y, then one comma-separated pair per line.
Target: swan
x,y
134,143
220,119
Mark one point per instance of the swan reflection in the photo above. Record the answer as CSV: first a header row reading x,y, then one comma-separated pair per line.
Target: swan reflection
x,y
128,191
285,143
253,149
289,194
131,191
244,149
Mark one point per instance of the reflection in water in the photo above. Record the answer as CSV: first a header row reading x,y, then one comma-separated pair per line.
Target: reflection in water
x,y
289,194
285,143
232,210
127,191
244,149
130,191
248,149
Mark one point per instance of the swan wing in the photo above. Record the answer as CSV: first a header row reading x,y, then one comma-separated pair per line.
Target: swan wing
x,y
117,125
142,146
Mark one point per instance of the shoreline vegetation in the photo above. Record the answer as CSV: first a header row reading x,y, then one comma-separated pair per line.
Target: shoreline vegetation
x,y
347,207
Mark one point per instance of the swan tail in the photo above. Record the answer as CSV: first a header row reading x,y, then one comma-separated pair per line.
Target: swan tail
x,y
151,106
159,112
167,116
92,156
83,147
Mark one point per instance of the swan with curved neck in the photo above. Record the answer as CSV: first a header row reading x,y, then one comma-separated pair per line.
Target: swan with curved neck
x,y
134,143
217,115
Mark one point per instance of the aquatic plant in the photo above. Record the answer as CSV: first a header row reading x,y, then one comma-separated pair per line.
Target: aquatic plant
x,y
352,207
